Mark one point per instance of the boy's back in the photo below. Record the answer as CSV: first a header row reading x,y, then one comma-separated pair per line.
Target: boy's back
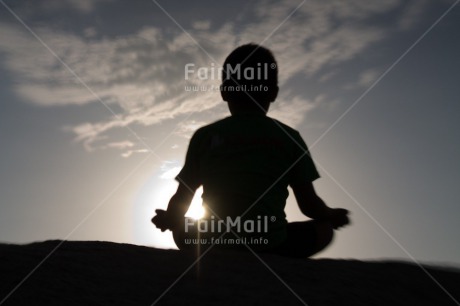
x,y
245,163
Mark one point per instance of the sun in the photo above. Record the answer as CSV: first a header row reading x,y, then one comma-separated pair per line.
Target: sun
x,y
156,195
196,209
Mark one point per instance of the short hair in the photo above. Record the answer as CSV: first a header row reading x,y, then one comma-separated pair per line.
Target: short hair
x,y
253,69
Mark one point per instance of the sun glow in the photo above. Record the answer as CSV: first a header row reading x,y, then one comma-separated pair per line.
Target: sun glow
x,y
196,209
156,195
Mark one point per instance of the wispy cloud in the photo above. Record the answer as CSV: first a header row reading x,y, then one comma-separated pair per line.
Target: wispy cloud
x,y
131,152
169,169
411,14
141,75
186,128
364,79
31,7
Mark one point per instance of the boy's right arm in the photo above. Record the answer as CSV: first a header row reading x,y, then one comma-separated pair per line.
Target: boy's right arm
x,y
313,206
189,181
177,207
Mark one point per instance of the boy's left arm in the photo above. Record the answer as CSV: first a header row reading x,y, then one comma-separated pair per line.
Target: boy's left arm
x,y
177,207
314,207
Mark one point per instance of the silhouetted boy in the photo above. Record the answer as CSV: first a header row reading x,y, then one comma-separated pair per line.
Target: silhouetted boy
x,y
245,163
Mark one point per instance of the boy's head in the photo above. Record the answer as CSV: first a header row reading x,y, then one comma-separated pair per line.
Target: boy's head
x,y
249,79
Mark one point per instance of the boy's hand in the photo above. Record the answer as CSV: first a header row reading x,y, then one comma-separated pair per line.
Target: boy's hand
x,y
338,217
164,221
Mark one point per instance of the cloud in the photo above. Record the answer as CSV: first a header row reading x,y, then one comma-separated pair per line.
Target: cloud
x,y
364,80
292,111
141,75
187,128
202,25
90,32
131,152
412,13
80,6
368,77
171,173
121,144
127,146
321,34
169,169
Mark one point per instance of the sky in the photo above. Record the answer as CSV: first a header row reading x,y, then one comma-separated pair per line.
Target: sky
x,y
95,115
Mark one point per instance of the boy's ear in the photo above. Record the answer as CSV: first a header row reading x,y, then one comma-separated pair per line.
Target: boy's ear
x,y
273,93
224,95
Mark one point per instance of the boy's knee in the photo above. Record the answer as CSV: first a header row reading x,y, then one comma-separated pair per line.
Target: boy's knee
x,y
325,234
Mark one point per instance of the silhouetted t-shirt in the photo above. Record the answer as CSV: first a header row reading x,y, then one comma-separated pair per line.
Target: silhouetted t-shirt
x,y
245,164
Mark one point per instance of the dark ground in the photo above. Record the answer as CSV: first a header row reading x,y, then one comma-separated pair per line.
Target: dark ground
x,y
103,273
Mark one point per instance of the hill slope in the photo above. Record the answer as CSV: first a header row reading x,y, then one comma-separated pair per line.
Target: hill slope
x,y
103,273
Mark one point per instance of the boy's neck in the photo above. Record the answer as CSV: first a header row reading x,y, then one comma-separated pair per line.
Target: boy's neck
x,y
252,113
237,109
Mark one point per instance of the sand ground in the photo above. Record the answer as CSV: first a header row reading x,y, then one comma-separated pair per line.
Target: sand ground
x,y
104,273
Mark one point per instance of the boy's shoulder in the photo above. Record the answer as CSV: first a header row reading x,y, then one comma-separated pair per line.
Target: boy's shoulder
x,y
245,122
262,130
